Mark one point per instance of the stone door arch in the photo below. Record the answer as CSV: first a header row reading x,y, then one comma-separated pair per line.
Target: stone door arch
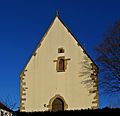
x,y
57,103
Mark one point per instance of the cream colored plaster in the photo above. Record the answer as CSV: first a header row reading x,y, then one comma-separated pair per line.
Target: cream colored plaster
x,y
44,82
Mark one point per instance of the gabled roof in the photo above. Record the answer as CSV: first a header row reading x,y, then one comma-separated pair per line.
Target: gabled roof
x,y
77,42
2,106
46,34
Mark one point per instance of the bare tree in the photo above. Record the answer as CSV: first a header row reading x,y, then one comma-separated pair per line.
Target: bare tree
x,y
114,103
108,57
9,102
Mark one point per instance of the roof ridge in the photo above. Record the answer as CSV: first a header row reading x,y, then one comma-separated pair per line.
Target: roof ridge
x,y
4,107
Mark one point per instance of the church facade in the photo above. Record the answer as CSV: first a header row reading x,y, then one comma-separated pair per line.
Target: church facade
x,y
59,75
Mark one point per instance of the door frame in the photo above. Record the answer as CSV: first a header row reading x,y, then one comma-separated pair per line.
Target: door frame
x,y
55,97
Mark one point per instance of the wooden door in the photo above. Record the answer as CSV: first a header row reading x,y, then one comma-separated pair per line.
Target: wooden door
x,y
57,105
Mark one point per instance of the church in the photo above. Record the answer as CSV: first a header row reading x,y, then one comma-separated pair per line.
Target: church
x,y
60,75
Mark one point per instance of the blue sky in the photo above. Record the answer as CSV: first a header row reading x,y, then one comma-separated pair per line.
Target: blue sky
x,y
24,22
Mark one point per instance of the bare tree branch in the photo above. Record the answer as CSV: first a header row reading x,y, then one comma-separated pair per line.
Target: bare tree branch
x,y
109,61
9,102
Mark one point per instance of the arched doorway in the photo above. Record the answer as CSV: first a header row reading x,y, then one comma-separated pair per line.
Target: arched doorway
x,y
57,105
